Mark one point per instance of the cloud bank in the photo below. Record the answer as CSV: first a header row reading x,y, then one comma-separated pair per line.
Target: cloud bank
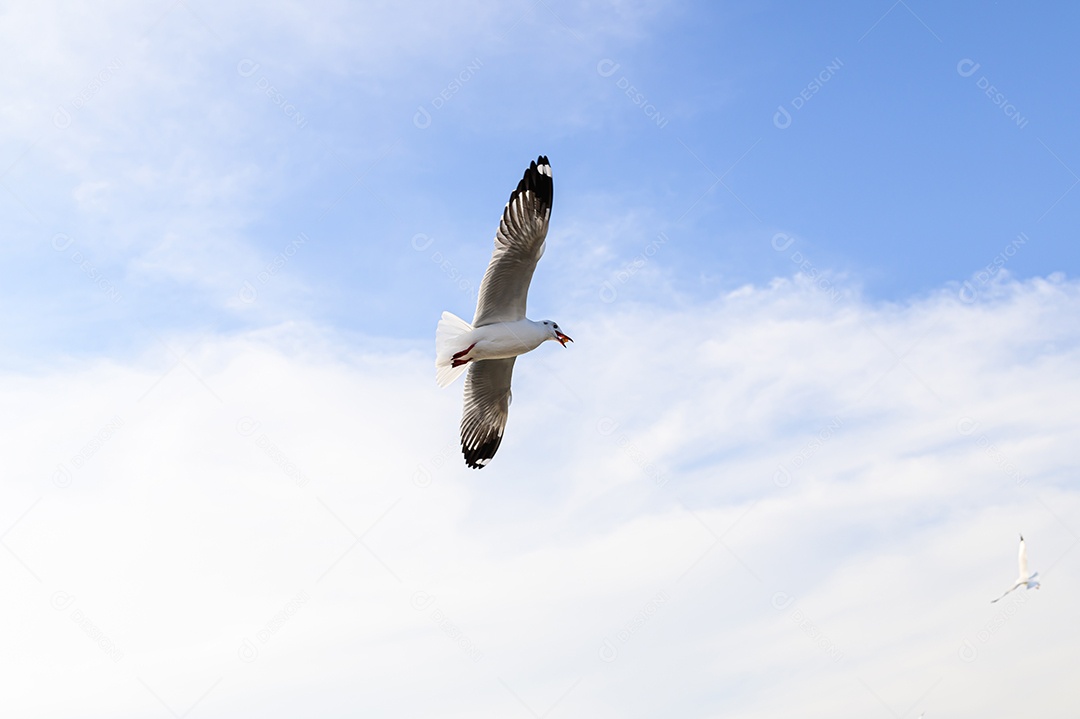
x,y
781,500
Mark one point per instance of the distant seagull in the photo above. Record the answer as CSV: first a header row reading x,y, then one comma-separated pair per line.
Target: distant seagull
x,y
499,332
1025,578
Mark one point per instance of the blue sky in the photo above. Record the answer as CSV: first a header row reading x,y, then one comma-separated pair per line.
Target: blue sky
x,y
819,264
895,170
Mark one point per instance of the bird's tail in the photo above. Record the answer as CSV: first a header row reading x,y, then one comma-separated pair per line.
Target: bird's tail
x,y
447,342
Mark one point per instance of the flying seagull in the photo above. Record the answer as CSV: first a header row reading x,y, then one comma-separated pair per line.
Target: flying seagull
x,y
1025,578
499,332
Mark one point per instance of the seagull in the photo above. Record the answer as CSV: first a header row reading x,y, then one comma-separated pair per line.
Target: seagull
x,y
1025,578
499,331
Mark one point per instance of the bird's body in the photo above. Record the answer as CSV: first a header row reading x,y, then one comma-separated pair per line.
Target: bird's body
x,y
501,340
499,332
1025,580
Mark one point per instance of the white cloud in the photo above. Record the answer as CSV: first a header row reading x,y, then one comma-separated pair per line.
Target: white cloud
x,y
634,542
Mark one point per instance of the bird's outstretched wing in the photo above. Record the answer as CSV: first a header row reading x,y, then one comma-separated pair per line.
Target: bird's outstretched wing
x,y
487,406
519,244
1015,586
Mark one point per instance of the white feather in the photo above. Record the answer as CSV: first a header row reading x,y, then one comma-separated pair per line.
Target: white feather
x,y
448,341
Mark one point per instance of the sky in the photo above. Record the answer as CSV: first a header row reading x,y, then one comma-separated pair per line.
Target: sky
x,y
819,264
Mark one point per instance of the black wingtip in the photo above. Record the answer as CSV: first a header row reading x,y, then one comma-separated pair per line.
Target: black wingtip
x,y
479,457
537,179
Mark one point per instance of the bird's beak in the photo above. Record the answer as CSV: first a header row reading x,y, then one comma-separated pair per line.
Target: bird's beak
x,y
563,339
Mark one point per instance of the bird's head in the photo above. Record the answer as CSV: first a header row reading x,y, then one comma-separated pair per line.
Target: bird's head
x,y
556,333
